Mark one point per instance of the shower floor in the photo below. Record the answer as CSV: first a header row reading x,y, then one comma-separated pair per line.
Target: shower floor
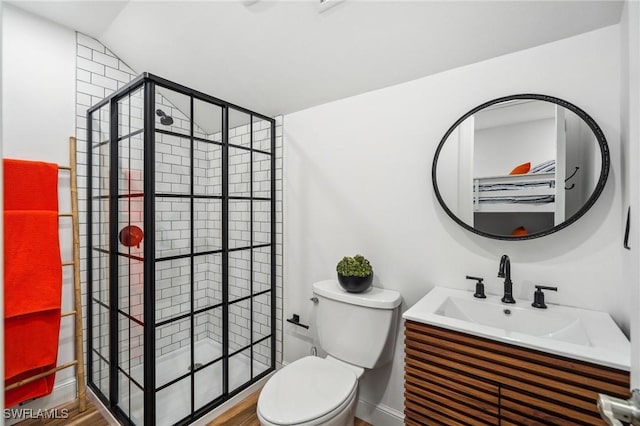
x,y
174,402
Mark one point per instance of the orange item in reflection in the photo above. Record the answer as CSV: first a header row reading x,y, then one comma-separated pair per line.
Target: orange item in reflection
x,y
519,231
521,169
32,277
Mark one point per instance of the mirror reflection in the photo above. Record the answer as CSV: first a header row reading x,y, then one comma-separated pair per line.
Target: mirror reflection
x,y
520,168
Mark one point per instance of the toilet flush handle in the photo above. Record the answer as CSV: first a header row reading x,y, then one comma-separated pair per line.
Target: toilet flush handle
x,y
314,300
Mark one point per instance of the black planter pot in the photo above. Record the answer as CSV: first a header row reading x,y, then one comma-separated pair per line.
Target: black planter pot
x,y
355,284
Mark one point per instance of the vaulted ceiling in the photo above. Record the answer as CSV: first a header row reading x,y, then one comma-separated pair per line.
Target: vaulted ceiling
x,y
277,57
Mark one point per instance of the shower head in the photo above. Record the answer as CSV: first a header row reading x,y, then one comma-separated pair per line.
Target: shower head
x,y
164,118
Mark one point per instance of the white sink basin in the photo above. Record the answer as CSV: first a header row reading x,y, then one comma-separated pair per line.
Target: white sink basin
x,y
564,326
575,333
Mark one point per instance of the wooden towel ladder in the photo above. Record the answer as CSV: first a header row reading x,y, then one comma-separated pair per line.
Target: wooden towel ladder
x,y
77,312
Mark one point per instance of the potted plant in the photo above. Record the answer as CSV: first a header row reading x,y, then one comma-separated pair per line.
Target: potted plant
x,y
355,274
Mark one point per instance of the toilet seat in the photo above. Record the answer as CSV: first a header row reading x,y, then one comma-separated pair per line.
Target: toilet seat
x,y
310,390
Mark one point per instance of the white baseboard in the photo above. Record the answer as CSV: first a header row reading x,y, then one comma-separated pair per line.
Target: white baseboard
x,y
379,415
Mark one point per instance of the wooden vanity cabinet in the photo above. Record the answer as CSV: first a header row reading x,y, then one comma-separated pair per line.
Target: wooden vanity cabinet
x,y
453,378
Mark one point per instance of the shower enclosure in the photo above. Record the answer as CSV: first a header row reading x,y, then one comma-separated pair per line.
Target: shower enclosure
x,y
181,251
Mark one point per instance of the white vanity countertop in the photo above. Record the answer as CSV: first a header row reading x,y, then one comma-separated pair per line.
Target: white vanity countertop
x,y
582,334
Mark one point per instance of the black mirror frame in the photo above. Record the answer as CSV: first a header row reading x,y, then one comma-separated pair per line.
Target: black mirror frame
x,y
604,170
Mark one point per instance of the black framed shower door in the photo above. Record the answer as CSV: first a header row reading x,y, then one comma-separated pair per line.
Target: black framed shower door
x,y
181,251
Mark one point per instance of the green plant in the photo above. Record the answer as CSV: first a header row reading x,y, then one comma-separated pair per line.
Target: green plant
x,y
356,266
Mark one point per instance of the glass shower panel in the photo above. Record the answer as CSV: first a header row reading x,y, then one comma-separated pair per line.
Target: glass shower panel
x,y
261,222
173,351
239,274
100,346
208,120
239,172
99,297
261,134
173,164
136,395
100,126
172,111
239,325
261,333
207,281
239,128
208,384
261,357
130,113
131,287
100,274
207,228
239,221
261,316
173,403
136,111
173,223
100,169
239,338
173,287
123,117
123,344
239,369
261,269
131,164
207,169
261,175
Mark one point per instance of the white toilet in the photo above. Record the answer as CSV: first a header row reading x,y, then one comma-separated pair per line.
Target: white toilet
x,y
358,331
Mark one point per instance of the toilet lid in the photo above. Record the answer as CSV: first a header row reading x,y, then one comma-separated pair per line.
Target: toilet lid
x,y
305,390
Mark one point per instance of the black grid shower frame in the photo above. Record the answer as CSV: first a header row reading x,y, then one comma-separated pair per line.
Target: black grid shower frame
x,y
149,82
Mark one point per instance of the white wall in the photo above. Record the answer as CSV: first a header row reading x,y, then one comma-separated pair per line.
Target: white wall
x,y
38,105
498,150
358,180
38,87
630,138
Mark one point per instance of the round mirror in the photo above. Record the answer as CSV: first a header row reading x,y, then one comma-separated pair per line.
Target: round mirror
x,y
520,167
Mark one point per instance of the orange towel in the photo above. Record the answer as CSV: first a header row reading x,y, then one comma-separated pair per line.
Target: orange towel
x,y
32,276
30,185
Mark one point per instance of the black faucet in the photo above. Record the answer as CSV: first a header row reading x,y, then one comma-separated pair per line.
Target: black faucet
x,y
505,272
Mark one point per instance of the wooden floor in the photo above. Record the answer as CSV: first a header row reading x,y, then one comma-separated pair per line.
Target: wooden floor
x,y
244,414
90,417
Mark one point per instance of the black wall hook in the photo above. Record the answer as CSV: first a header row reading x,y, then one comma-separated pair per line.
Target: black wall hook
x,y
567,179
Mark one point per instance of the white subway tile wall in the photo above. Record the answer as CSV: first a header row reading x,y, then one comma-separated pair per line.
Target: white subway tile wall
x,y
100,73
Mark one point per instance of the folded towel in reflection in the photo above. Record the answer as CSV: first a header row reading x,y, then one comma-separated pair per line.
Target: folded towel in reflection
x,y
525,199
545,167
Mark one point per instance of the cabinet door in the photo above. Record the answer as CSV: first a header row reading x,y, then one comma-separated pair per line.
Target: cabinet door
x,y
437,394
522,408
529,387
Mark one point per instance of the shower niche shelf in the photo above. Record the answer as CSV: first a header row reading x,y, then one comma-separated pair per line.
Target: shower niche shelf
x,y
181,313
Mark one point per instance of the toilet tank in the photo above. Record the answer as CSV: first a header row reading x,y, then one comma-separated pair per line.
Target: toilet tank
x,y
358,328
